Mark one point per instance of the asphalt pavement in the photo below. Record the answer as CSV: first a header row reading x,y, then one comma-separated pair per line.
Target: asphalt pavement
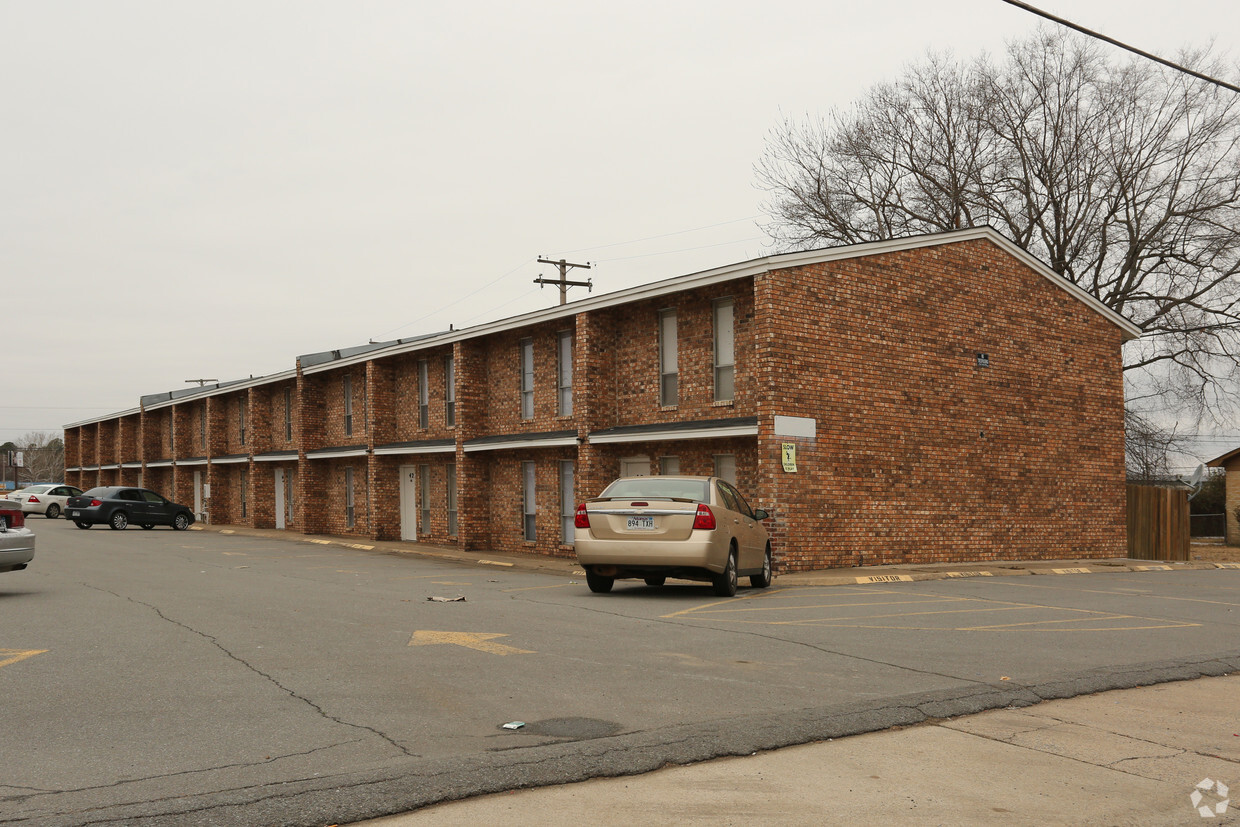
x,y
1167,753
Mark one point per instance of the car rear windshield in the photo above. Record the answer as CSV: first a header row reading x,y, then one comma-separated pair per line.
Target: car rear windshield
x,y
653,488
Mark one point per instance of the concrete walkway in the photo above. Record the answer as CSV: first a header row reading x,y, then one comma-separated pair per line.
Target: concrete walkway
x,y
1132,756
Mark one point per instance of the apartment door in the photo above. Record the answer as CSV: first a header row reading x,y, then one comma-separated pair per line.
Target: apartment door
x,y
280,498
409,502
198,515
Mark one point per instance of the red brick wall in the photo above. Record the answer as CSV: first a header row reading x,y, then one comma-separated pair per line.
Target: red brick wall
x,y
921,455
501,472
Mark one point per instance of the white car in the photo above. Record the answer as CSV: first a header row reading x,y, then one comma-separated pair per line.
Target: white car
x,y
16,541
48,500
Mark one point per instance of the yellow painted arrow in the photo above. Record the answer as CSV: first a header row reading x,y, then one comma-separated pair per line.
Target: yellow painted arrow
x,y
470,640
8,656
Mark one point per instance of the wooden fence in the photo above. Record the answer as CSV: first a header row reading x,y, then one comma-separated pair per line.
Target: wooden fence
x,y
1158,523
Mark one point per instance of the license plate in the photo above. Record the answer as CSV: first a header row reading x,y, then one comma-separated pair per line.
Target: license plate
x,y
73,514
640,524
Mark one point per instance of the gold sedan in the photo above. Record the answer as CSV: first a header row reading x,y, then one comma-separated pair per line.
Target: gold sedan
x,y
691,528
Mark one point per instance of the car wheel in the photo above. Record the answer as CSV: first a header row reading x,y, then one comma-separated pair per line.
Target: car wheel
x,y
655,581
724,583
761,581
81,524
180,522
53,511
598,583
147,526
119,521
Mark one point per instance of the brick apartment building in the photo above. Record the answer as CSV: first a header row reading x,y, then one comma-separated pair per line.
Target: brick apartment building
x,y
936,398
1230,462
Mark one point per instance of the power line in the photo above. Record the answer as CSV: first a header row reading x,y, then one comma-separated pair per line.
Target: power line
x,y
1090,32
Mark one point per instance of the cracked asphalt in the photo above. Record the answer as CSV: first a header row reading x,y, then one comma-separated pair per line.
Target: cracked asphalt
x,y
161,678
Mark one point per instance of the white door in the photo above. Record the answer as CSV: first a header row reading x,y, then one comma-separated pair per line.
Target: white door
x,y
408,502
635,466
198,495
279,498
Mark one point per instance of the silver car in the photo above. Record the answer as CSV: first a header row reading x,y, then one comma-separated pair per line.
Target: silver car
x,y
16,541
691,528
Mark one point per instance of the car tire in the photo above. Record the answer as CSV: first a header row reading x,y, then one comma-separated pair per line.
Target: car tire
x,y
81,524
53,511
147,526
761,581
725,582
655,581
180,522
119,521
598,583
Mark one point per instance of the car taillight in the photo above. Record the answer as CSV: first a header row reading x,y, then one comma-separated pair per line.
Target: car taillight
x,y
581,519
96,503
33,499
13,519
704,519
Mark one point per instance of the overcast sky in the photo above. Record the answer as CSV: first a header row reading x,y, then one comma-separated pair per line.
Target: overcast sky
x,y
207,190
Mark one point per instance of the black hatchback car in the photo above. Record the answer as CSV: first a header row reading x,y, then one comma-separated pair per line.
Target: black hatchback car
x,y
118,506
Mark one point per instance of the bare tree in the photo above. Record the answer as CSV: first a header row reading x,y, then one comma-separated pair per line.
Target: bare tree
x,y
43,457
1123,176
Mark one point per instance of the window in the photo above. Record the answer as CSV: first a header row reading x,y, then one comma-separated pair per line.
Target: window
x,y
530,506
725,467
241,419
245,496
564,373
669,466
449,391
347,383
424,499
424,394
202,428
348,497
725,351
567,506
288,414
527,378
451,486
669,391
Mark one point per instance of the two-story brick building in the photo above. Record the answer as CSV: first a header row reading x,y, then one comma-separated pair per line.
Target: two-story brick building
x,y
936,398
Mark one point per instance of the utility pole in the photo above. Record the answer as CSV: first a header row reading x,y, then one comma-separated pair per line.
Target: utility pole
x,y
563,281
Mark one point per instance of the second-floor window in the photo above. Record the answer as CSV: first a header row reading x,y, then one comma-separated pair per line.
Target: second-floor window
x,y
288,414
725,352
424,394
348,405
564,373
527,378
449,391
241,420
669,389
202,428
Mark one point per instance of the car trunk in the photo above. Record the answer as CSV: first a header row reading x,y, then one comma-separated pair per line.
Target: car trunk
x,y
641,519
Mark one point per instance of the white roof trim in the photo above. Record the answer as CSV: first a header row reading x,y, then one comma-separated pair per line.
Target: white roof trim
x,y
131,465
291,457
186,462
434,449
351,452
509,444
160,463
130,412
666,436
219,461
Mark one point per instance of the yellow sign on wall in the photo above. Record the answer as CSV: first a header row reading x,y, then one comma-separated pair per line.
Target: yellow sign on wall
x,y
790,457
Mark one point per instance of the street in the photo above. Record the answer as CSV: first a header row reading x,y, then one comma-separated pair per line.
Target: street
x,y
160,677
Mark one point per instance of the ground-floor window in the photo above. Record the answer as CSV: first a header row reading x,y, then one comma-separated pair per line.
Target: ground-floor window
x,y
245,496
669,465
530,508
424,498
451,486
567,506
348,497
725,467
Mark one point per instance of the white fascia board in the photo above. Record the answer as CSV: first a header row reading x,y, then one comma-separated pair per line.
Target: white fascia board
x,y
74,470
278,458
355,452
508,445
162,463
184,463
131,465
220,461
437,449
105,418
89,468
667,436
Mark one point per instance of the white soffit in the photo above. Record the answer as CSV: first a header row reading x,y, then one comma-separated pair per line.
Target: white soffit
x,y
674,434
